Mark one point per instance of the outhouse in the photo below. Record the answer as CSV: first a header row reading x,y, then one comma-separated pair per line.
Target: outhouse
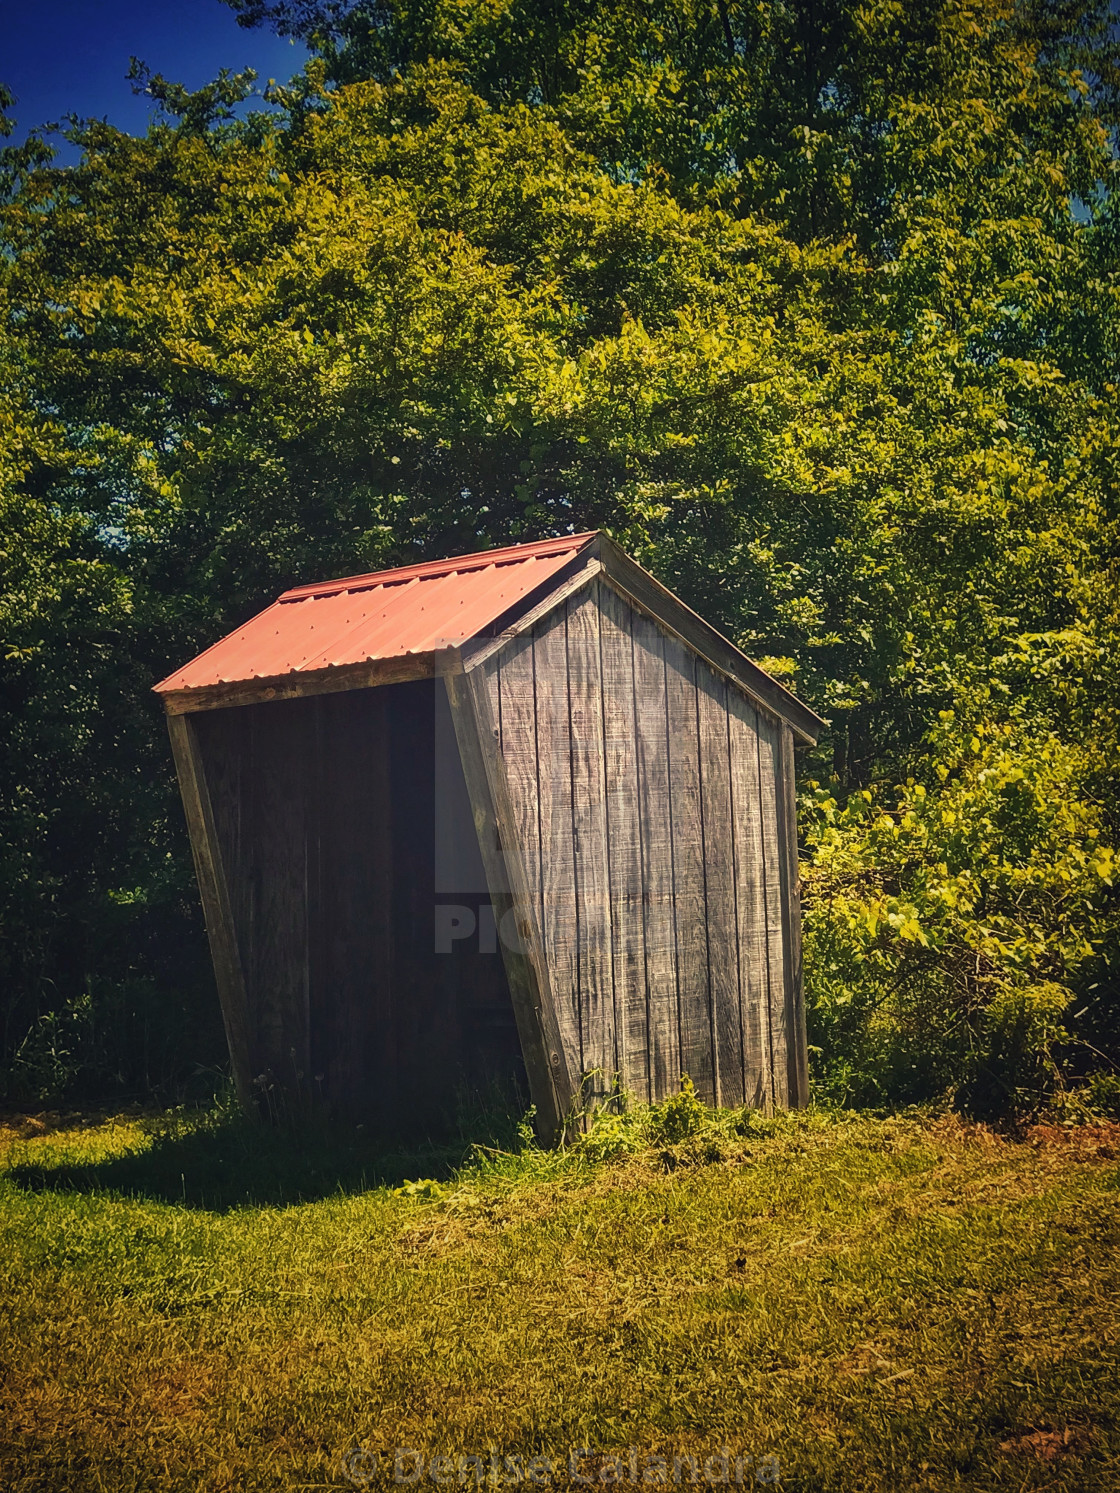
x,y
517,815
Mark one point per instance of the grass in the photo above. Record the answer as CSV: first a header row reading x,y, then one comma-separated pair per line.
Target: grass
x,y
840,1302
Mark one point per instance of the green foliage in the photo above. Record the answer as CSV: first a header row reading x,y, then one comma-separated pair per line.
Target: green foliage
x,y
948,927
680,1129
678,1118
1102,1095
816,311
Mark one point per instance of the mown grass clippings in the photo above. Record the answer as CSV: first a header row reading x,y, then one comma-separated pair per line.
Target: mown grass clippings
x,y
877,1304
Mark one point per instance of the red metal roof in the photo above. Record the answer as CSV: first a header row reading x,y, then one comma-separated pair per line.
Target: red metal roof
x,y
389,614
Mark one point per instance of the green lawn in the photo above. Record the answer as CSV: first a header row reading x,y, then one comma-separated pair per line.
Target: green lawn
x,y
839,1302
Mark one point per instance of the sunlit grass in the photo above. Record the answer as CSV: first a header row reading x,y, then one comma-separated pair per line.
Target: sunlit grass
x,y
876,1304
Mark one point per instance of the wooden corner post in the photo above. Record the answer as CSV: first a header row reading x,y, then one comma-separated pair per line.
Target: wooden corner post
x,y
215,901
546,1064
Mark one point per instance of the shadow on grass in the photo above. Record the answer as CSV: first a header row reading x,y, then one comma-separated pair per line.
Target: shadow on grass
x,y
219,1160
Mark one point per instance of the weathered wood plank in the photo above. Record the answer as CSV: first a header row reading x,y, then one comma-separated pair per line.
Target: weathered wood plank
x,y
509,684
225,744
354,1040
798,1055
620,737
259,773
320,861
299,686
216,908
712,646
428,1038
470,974
775,895
754,987
513,708
590,831
719,885
458,861
659,945
562,586
697,1056
551,1082
276,948
560,913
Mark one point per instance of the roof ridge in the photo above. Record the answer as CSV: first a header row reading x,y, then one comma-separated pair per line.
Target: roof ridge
x,y
429,569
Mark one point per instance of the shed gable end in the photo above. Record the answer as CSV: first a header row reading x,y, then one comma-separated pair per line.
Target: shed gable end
x,y
649,797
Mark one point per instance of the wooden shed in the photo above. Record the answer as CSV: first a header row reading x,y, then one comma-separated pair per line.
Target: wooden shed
x,y
519,814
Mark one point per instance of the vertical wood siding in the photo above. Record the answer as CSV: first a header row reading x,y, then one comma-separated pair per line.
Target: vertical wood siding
x,y
652,805
654,801
324,818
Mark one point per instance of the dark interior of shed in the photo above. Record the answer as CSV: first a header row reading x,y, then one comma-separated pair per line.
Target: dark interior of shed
x,y
374,982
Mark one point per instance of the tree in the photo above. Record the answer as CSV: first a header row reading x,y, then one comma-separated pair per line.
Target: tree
x,y
793,302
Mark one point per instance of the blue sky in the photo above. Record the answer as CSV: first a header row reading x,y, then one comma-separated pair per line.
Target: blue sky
x,y
71,56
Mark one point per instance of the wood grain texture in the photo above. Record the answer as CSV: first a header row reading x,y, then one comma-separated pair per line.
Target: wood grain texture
x,y
751,900
720,887
514,713
300,686
218,914
474,990
713,647
353,974
634,811
325,819
223,743
797,1058
259,771
693,993
510,685
655,817
559,908
278,975
775,896
550,1080
562,586
624,841
590,830
428,1036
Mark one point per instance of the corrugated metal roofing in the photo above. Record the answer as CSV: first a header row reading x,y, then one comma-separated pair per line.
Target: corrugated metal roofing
x,y
389,614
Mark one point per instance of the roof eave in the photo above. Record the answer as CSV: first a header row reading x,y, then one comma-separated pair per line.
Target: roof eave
x,y
300,683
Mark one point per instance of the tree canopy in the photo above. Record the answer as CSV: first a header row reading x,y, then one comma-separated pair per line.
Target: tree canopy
x,y
814,306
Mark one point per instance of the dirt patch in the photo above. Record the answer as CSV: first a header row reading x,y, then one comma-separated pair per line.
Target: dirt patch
x,y
1044,1445
1099,1142
17,1126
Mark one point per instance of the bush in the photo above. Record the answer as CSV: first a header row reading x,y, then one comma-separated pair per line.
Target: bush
x,y
949,925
